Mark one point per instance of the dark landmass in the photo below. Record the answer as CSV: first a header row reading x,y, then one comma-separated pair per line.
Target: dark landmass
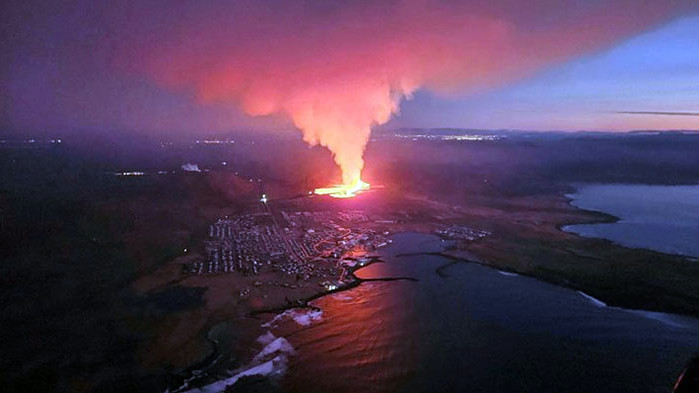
x,y
93,295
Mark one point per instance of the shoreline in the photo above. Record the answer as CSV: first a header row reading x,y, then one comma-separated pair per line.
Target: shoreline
x,y
602,301
652,314
581,216
303,303
608,218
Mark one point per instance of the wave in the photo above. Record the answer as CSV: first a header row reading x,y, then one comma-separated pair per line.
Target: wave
x,y
274,320
267,369
341,296
266,338
270,361
594,301
308,317
664,318
509,274
302,317
279,345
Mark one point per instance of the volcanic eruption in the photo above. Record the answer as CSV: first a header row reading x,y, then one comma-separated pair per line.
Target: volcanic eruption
x,y
337,69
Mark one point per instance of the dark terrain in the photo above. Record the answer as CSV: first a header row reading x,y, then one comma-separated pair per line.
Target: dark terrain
x,y
74,237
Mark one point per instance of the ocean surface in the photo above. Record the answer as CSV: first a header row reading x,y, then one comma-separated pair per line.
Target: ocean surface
x,y
475,330
661,218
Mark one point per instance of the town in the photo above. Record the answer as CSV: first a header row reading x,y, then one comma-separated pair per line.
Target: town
x,y
460,232
302,244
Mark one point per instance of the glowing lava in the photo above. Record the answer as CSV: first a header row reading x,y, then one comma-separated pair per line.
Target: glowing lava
x,y
344,190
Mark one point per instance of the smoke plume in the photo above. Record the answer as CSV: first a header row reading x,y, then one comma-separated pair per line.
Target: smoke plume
x,y
336,69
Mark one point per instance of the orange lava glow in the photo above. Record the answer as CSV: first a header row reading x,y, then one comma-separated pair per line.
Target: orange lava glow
x,y
344,190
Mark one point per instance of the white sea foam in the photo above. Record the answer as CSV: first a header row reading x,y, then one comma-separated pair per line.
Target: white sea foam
x,y
308,317
271,367
302,317
277,318
266,338
279,346
594,301
664,318
341,296
271,360
509,274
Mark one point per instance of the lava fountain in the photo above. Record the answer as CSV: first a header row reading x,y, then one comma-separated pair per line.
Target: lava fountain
x,y
344,190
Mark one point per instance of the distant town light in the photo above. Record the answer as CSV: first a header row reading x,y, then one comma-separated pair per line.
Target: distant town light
x,y
264,198
133,173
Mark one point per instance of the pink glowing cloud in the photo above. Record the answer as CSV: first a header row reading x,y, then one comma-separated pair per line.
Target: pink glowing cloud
x,y
338,68
338,71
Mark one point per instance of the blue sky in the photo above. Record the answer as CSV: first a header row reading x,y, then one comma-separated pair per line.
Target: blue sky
x,y
657,71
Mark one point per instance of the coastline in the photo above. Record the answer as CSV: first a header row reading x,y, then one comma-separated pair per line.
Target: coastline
x,y
249,368
496,252
590,249
276,364
607,298
610,218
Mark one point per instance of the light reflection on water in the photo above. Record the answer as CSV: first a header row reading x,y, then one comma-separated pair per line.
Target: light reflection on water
x,y
360,345
478,330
